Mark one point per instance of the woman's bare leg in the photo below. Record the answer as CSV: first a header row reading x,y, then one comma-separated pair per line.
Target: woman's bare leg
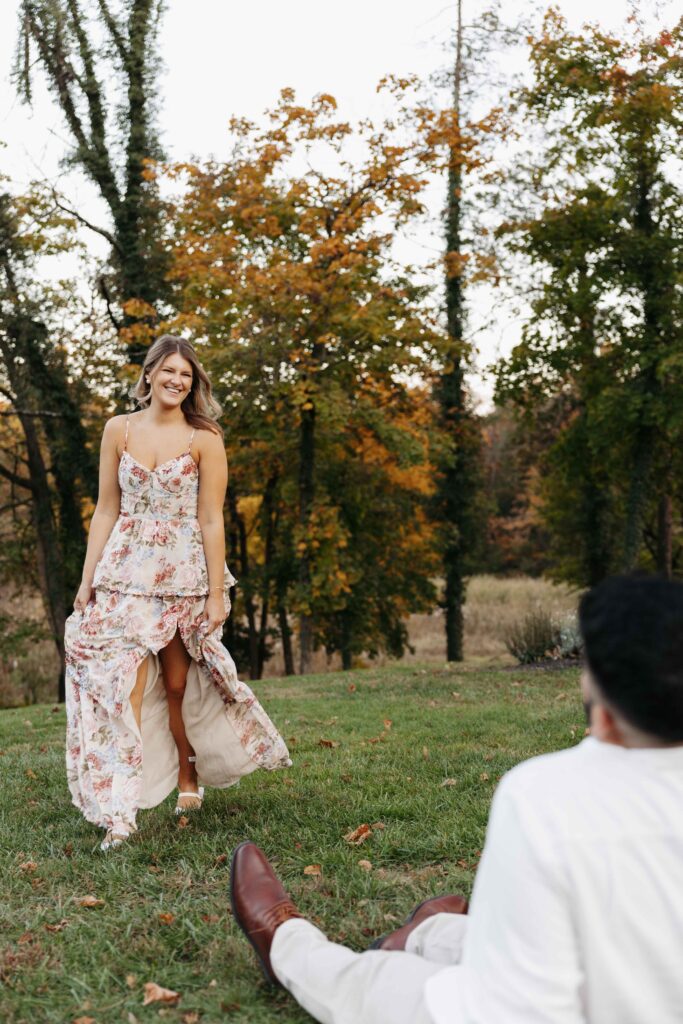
x,y
175,662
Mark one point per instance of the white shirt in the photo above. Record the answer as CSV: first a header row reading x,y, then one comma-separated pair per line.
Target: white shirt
x,y
577,908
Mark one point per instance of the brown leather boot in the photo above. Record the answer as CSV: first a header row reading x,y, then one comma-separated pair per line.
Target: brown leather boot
x,y
450,904
259,902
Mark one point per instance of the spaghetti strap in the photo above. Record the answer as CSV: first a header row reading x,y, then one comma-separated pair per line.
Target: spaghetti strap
x,y
191,437
125,440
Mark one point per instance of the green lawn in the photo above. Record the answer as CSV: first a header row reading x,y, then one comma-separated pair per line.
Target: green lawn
x,y
400,733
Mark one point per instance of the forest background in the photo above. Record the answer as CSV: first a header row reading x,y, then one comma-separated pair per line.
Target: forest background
x,y
346,280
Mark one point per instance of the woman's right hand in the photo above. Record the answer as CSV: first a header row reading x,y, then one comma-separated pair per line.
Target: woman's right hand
x,y
83,596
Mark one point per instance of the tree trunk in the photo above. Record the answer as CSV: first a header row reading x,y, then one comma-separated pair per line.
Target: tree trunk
x,y
455,484
286,637
665,537
637,498
249,607
306,496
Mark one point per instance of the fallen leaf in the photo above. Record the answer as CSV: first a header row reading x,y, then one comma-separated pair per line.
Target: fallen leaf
x,y
167,918
425,753
59,927
192,1017
222,857
131,980
157,994
90,901
213,983
211,918
449,782
28,866
25,939
484,776
183,821
358,835
346,778
365,865
378,826
387,723
456,694
328,743
352,687
84,1020
287,782
68,849
313,869
43,748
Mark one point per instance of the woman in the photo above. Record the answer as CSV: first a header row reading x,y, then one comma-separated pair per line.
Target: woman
x,y
152,695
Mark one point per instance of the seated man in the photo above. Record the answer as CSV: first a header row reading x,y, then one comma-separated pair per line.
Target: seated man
x,y
577,908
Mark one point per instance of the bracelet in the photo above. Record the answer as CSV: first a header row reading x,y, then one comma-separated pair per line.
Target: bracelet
x,y
216,588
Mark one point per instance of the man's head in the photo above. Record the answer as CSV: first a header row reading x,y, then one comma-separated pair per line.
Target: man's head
x,y
632,628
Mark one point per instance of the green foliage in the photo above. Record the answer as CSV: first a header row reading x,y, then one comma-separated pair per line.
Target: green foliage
x,y
602,234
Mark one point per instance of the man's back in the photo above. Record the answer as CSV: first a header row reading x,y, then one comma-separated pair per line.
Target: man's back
x,y
577,910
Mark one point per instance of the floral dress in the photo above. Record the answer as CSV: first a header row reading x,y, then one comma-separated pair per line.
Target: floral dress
x,y
151,580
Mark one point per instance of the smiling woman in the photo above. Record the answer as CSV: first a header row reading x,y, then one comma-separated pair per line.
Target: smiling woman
x,y
146,670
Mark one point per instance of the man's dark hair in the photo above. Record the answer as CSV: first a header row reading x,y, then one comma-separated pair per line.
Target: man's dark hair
x,y
632,628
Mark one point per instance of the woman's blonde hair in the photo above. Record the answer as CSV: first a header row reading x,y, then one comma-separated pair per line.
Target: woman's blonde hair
x,y
200,407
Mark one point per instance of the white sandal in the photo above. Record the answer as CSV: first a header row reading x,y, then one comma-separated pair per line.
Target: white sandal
x,y
199,795
112,840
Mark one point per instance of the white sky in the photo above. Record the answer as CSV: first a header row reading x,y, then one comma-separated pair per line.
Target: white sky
x,y
223,58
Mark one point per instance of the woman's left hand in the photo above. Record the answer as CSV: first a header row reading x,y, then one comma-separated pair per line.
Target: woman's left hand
x,y
214,611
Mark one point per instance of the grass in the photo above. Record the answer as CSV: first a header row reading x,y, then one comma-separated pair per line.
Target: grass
x,y
400,733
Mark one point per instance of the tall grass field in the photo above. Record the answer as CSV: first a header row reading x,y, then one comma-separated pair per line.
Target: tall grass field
x,y
413,751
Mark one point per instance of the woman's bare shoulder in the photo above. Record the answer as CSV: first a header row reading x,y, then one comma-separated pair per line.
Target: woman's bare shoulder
x,y
209,442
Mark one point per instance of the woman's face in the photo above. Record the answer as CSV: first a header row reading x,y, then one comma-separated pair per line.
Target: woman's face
x,y
171,380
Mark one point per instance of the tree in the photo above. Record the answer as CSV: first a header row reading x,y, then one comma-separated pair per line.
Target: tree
x,y
602,230
48,466
82,51
315,333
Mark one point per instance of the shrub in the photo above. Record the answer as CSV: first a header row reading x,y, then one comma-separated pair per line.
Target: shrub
x,y
538,636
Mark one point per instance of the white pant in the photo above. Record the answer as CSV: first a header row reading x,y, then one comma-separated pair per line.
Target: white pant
x,y
337,986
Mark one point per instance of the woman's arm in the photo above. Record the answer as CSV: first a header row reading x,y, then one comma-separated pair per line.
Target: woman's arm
x,y
213,482
107,508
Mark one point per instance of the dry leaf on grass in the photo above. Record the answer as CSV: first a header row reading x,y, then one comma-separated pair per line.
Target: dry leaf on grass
x,y
449,782
90,901
328,743
156,994
484,776
352,687
313,869
84,1020
28,866
358,835
456,694
378,826
30,774
387,723
191,1017
167,918
131,980
425,753
183,821
222,857
365,865
59,927
25,939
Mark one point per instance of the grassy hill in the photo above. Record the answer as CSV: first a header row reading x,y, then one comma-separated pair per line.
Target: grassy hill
x,y
413,751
